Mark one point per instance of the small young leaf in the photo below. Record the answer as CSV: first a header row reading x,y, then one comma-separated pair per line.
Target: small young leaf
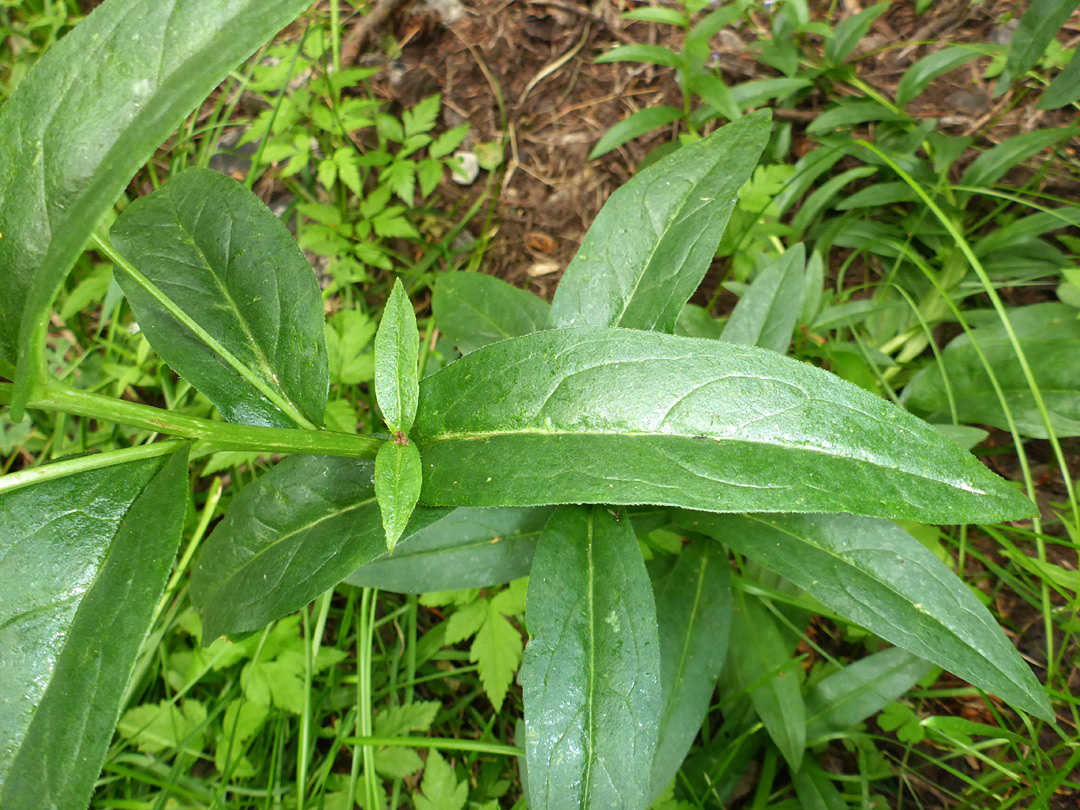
x,y
397,486
441,789
591,674
232,273
83,561
765,316
473,310
397,347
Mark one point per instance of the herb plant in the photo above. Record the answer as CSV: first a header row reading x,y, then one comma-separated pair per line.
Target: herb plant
x,y
567,430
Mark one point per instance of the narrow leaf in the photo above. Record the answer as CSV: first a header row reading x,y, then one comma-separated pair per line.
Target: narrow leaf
x,y
297,531
397,346
83,561
651,54
765,316
1039,25
216,268
991,165
924,71
693,612
847,33
628,417
880,577
88,115
473,310
397,487
816,790
1065,88
591,672
470,548
653,240
634,126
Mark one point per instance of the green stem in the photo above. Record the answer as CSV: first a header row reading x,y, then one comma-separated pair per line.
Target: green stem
x,y
55,396
59,469
441,743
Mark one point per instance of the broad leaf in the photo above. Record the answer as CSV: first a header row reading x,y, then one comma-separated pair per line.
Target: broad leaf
x,y
397,347
761,664
397,487
591,673
297,531
693,612
880,577
1039,25
653,240
1050,337
217,270
473,310
88,115
470,548
765,316
628,417
83,561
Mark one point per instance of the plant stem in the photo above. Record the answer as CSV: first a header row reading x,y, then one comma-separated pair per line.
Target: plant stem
x,y
441,743
55,396
35,475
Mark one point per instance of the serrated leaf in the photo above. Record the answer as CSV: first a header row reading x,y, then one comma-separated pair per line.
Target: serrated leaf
x,y
653,240
397,487
448,141
622,416
85,118
470,548
473,310
421,118
297,531
217,267
83,561
693,612
417,716
880,577
765,316
165,726
591,674
497,652
397,346
441,789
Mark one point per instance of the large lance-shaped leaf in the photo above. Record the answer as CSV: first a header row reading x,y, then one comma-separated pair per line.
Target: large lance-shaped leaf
x,y
297,531
1050,337
628,417
1037,29
591,672
880,577
88,115
469,548
473,310
83,561
694,615
654,239
218,271
765,316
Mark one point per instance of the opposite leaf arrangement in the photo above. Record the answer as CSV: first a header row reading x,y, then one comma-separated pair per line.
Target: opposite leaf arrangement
x,y
554,421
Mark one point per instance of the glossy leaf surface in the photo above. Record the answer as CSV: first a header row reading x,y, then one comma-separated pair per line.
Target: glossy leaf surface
x,y
629,417
1049,334
297,531
397,347
653,240
694,615
397,487
591,672
88,115
231,268
765,316
880,577
83,561
473,310
469,548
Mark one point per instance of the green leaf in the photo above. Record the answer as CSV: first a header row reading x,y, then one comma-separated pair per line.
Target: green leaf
x,y
849,696
441,789
653,240
497,652
757,92
765,316
470,548
693,612
216,270
628,417
762,665
991,165
1049,334
924,71
648,54
851,114
1065,88
1038,27
668,16
397,346
591,675
473,310
816,790
880,577
83,561
634,126
85,118
297,531
397,487
848,32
